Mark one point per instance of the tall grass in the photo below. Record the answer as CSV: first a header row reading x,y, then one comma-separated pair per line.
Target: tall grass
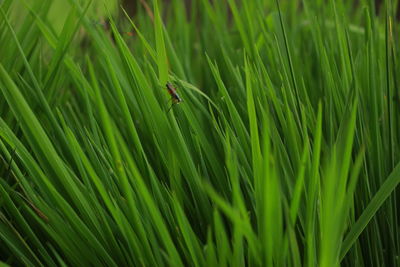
x,y
284,151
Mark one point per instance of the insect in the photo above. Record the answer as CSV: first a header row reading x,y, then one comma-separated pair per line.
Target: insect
x,y
175,98
107,26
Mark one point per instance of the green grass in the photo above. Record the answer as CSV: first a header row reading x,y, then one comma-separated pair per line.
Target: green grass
x,y
284,152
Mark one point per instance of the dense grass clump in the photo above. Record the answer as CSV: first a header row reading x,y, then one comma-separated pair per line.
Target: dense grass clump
x,y
284,151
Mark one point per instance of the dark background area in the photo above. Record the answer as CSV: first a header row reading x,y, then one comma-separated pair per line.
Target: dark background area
x,y
131,5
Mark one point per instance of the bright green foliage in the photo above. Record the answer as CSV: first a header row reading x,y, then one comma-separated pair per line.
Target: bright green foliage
x,y
284,151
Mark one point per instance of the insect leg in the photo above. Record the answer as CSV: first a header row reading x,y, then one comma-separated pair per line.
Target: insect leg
x,y
173,104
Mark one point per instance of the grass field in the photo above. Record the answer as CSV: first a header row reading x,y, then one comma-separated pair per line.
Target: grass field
x,y
284,152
